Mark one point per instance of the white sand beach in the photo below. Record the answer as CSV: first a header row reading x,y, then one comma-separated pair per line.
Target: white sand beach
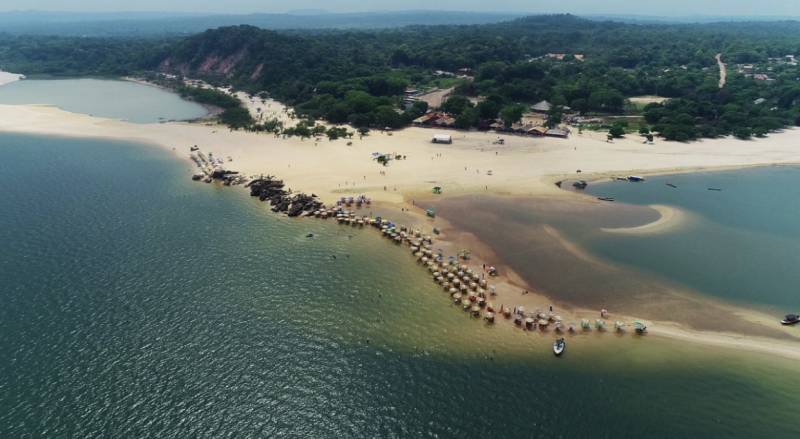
x,y
7,78
474,163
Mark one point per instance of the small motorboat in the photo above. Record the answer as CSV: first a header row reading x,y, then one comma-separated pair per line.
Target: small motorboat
x,y
791,319
559,346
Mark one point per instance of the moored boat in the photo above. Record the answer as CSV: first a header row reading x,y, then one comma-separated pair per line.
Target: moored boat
x,y
791,319
559,346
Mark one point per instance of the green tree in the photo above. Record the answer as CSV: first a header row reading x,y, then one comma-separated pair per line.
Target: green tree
x,y
456,105
512,114
616,131
467,119
743,133
554,117
490,107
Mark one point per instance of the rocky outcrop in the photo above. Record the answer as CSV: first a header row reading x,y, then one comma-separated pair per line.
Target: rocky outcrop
x,y
270,189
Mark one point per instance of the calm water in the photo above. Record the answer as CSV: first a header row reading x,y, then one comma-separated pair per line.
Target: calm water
x,y
104,98
136,303
741,243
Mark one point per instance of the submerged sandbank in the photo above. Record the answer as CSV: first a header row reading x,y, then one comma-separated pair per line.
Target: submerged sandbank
x,y
527,233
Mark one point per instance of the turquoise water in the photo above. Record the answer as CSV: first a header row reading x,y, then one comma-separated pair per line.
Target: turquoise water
x,y
123,100
741,243
136,303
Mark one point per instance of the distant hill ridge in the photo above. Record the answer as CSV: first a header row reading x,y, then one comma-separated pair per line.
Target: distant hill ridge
x,y
161,24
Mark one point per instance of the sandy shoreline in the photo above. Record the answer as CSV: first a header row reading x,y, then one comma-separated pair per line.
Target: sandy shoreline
x,y
670,218
474,164
7,77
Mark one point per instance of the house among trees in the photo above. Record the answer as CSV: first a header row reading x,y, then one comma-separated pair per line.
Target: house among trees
x,y
435,118
444,121
542,107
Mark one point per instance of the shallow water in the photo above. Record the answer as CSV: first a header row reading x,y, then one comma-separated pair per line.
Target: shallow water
x,y
122,100
137,303
741,244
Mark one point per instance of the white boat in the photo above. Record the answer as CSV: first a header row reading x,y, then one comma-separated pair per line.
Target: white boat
x,y
559,346
791,319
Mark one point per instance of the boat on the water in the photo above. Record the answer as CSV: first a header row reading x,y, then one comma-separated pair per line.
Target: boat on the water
x,y
791,319
559,346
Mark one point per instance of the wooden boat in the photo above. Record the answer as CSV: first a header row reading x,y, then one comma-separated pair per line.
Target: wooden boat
x,y
791,319
559,346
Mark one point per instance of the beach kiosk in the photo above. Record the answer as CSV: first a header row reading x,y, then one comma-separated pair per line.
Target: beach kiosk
x,y
442,138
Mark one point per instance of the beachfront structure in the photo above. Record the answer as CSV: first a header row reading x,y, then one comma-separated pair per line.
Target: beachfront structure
x,y
537,131
435,118
558,132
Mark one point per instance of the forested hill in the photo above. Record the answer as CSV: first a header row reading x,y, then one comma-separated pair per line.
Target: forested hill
x,y
582,66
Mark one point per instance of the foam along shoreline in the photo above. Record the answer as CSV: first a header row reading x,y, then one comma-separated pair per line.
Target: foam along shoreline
x,y
520,166
7,77
670,219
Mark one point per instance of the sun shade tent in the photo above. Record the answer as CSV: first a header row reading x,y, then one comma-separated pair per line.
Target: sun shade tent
x,y
442,138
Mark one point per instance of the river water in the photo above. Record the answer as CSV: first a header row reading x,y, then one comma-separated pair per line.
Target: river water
x,y
124,100
136,303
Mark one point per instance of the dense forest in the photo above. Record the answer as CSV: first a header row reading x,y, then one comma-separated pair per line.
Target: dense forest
x,y
359,77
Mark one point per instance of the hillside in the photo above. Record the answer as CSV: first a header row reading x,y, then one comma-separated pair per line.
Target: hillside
x,y
582,67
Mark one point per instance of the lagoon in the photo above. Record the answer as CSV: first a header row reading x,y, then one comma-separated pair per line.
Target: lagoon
x,y
115,99
739,243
